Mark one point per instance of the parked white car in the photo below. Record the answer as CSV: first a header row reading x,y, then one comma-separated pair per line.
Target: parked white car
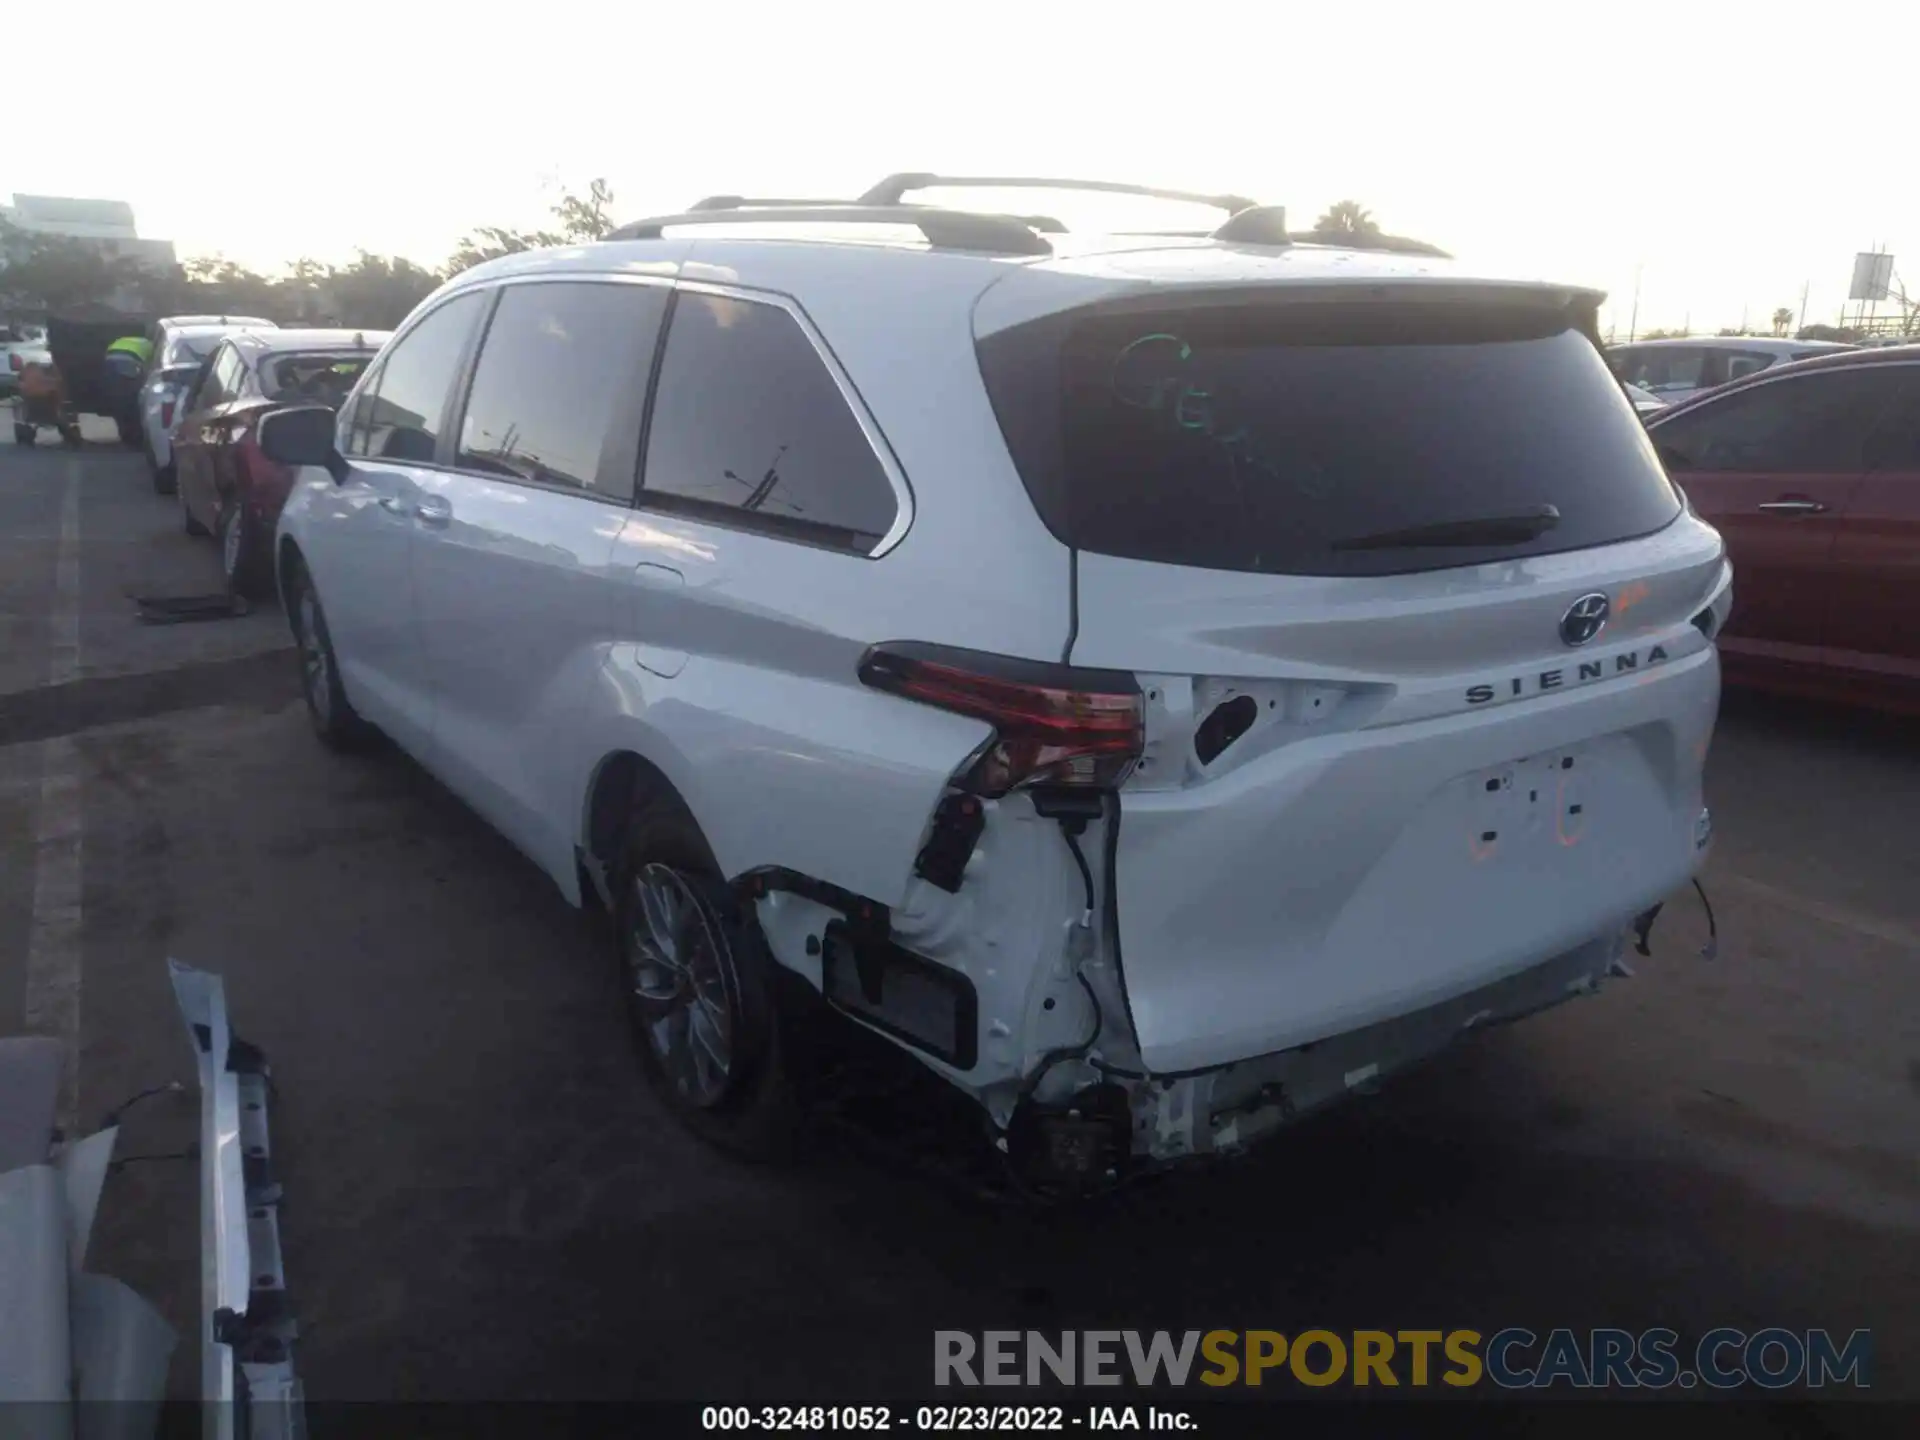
x,y
20,346
181,345
1059,656
1671,370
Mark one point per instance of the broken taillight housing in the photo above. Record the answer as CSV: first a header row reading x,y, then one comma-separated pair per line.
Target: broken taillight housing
x,y
1052,724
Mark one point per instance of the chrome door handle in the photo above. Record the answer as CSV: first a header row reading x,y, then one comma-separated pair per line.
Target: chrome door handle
x,y
432,510
394,505
1793,507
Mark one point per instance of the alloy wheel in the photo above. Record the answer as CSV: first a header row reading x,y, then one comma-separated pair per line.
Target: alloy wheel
x,y
316,667
682,985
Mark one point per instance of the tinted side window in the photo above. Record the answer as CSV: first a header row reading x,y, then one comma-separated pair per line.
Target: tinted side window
x,y
356,412
1895,444
560,363
398,416
219,385
1663,368
1746,362
747,421
1809,424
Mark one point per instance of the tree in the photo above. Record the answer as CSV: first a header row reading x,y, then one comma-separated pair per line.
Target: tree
x,y
586,218
1782,320
1347,217
376,292
582,219
1681,334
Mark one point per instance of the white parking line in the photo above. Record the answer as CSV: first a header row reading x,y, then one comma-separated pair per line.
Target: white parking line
x,y
63,648
53,934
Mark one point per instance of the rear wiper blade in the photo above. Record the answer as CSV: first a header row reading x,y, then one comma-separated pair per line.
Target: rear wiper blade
x,y
1515,529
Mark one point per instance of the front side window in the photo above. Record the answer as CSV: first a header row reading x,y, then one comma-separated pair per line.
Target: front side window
x,y
1804,424
560,363
398,416
749,427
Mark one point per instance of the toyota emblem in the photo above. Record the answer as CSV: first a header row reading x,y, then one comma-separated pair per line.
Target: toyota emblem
x,y
1585,618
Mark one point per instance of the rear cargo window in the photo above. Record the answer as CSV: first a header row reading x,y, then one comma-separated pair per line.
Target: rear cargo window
x,y
1269,437
322,379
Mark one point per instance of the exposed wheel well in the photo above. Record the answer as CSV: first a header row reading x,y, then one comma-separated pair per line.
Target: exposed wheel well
x,y
625,783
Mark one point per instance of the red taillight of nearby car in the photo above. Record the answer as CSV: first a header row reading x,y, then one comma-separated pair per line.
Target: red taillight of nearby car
x,y
13,363
1052,725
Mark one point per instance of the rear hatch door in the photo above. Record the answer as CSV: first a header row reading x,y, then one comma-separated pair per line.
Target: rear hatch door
x,y
1423,629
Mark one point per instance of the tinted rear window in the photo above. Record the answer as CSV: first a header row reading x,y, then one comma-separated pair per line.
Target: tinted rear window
x,y
322,379
187,349
1236,436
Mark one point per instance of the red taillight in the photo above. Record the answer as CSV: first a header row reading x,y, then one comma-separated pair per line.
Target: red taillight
x,y
1052,724
13,362
166,414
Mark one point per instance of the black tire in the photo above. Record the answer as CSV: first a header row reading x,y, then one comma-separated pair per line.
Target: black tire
x,y
187,522
335,721
241,560
754,1115
25,435
166,480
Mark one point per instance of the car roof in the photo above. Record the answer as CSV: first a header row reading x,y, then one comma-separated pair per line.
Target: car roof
x,y
808,260
1844,359
181,321
282,342
1763,344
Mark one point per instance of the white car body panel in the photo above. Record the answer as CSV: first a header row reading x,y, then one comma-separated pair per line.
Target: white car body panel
x,y
357,540
1330,866
524,640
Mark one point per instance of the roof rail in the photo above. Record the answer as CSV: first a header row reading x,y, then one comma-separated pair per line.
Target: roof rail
x,y
752,202
944,229
890,190
1045,224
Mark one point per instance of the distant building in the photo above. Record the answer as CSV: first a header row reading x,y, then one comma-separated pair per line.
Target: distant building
x,y
81,219
107,224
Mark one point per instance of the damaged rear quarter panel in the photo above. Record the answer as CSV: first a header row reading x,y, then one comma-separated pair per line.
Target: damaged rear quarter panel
x,y
764,728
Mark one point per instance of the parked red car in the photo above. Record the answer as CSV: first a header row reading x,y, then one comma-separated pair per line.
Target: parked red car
x,y
1811,471
227,487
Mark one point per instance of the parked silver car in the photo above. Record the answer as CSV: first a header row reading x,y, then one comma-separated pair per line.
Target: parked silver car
x,y
1671,370
181,345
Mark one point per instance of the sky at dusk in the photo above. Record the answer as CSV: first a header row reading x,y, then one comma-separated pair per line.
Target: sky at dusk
x,y
1727,154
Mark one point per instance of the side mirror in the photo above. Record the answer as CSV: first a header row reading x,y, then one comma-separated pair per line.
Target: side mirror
x,y
179,374
302,435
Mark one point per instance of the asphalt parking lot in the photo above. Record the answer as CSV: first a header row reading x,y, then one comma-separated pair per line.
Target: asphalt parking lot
x,y
483,1201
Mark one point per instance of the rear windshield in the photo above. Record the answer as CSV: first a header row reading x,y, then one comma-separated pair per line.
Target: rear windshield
x,y
1268,438
322,379
189,349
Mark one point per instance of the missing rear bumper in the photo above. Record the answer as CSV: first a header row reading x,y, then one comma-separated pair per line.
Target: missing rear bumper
x,y
1225,1110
